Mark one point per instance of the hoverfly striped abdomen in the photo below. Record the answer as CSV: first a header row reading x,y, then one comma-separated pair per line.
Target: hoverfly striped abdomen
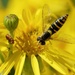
x,y
10,39
52,29
58,24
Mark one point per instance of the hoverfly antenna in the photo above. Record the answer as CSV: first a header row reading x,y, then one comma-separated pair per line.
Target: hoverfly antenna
x,y
38,38
66,15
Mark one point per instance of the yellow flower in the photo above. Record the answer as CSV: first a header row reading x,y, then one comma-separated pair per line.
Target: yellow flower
x,y
28,56
27,51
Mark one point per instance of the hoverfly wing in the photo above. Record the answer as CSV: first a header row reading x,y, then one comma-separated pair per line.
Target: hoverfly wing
x,y
47,17
65,38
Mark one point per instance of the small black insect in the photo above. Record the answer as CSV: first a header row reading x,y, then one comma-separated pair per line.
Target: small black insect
x,y
10,39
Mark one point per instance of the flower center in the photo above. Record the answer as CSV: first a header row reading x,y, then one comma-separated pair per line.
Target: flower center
x,y
28,43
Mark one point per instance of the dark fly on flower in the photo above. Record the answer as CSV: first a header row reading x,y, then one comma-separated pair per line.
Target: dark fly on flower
x,y
47,17
10,39
54,55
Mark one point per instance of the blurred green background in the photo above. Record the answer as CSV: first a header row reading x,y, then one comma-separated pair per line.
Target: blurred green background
x,y
4,3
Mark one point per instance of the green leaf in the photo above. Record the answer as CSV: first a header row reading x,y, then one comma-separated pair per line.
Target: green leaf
x,y
4,3
73,1
27,70
12,71
1,56
41,64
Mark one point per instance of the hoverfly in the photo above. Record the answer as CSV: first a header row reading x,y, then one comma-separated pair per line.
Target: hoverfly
x,y
52,54
10,39
48,30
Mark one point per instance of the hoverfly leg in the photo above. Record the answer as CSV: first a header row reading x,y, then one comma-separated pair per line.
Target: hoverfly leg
x,y
50,42
38,38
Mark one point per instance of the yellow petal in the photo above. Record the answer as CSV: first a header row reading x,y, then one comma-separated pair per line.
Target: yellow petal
x,y
20,29
6,66
60,52
20,64
53,63
69,63
66,62
2,14
27,16
15,7
3,44
35,65
38,17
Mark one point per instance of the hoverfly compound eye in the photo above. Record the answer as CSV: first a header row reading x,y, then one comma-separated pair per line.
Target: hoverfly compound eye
x,y
38,38
41,41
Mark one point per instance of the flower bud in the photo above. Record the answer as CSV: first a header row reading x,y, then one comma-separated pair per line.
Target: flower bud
x,y
11,22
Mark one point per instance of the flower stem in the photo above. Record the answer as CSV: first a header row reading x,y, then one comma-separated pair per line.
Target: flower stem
x,y
10,48
1,56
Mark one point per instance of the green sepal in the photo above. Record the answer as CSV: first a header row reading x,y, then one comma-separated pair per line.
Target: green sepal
x,y
11,22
